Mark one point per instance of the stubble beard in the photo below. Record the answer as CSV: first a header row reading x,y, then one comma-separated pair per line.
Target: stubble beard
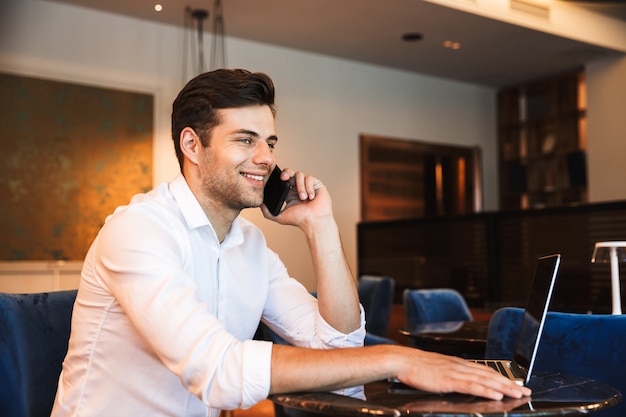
x,y
230,192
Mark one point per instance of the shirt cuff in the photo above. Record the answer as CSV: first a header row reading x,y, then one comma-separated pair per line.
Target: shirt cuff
x,y
334,339
256,371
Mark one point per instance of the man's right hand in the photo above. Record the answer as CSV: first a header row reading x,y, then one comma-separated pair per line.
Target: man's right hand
x,y
439,373
295,369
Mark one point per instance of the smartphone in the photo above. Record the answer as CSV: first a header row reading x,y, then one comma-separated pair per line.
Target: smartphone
x,y
275,192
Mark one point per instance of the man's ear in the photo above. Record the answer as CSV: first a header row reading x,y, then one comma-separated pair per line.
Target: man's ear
x,y
190,144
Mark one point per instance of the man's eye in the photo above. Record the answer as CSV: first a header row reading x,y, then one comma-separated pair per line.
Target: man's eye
x,y
245,140
271,145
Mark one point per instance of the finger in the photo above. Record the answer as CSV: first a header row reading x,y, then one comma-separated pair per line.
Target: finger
x,y
478,388
502,385
296,178
477,379
312,184
514,390
300,184
497,381
473,384
286,174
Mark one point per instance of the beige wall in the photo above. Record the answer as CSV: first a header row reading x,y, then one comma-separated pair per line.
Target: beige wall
x,y
323,103
34,276
606,96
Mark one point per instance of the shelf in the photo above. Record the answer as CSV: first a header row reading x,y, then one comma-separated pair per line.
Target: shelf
x,y
541,129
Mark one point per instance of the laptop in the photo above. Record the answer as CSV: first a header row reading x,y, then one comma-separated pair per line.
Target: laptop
x,y
519,368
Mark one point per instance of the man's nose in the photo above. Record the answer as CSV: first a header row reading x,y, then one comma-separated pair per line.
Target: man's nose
x,y
264,154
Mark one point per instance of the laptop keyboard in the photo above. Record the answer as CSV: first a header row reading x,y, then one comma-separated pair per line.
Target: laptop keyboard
x,y
501,367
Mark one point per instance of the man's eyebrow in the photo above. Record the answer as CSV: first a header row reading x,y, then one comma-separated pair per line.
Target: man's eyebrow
x,y
246,132
254,134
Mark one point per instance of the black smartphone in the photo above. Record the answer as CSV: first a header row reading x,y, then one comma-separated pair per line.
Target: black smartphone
x,y
275,192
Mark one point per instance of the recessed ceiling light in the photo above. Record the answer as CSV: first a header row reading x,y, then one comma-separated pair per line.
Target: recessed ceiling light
x,y
158,7
452,45
412,37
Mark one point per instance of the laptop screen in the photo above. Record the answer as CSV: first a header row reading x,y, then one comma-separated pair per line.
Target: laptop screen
x,y
536,310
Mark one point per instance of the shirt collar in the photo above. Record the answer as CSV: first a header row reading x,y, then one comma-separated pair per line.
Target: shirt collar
x,y
188,203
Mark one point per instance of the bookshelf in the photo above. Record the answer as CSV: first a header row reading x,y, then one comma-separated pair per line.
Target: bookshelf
x,y
542,143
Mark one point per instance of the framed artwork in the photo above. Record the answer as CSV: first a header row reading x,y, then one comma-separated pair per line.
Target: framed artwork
x,y
69,155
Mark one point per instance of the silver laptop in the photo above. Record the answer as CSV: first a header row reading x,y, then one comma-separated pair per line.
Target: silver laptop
x,y
520,367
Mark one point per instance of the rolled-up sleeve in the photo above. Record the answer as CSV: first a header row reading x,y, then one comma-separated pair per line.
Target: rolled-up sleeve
x,y
292,312
158,303
331,338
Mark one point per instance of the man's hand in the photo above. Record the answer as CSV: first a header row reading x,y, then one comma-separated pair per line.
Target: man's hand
x,y
309,207
296,369
307,201
438,373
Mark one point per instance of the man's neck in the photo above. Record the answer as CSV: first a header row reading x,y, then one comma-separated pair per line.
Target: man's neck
x,y
220,216
220,221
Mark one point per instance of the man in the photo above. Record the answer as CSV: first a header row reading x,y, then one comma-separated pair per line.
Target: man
x,y
176,283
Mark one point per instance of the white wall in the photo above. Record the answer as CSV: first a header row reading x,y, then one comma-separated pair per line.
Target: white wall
x,y
323,103
606,99
39,276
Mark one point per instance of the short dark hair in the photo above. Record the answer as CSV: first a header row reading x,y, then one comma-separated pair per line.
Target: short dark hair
x,y
198,101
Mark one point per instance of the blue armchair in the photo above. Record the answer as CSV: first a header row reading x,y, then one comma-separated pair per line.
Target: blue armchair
x,y
587,345
34,332
434,305
376,296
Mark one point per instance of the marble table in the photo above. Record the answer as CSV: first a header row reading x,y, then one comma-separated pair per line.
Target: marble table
x,y
553,395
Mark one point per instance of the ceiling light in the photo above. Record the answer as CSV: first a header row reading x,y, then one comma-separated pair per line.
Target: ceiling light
x,y
158,7
452,45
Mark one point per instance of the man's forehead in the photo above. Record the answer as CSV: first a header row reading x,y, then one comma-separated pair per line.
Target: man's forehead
x,y
259,119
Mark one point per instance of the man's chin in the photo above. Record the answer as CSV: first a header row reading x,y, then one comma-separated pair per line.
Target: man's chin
x,y
251,204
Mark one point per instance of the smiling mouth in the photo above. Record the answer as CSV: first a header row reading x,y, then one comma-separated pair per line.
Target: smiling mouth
x,y
253,177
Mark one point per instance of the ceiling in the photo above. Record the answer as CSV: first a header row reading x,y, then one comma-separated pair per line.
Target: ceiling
x,y
492,53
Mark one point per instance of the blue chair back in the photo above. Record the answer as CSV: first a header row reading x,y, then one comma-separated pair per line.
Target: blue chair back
x,y
376,296
434,305
34,332
587,345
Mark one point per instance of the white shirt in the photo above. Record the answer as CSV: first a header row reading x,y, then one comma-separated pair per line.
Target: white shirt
x,y
165,313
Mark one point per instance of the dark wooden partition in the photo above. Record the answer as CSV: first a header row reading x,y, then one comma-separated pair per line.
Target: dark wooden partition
x,y
490,256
